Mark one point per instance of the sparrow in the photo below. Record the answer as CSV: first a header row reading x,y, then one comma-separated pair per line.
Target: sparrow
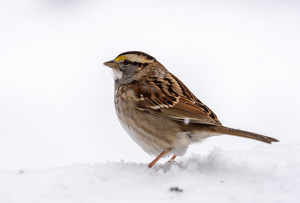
x,y
159,112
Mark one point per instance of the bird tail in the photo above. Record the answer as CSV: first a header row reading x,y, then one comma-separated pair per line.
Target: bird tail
x,y
242,133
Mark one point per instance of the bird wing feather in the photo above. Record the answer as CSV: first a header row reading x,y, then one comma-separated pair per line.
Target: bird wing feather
x,y
184,107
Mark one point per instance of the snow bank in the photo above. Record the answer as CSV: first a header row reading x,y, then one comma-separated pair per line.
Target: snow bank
x,y
262,174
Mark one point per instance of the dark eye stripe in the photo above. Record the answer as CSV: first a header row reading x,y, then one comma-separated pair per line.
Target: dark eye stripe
x,y
128,62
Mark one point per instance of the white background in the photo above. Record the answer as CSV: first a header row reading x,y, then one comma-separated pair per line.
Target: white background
x,y
241,58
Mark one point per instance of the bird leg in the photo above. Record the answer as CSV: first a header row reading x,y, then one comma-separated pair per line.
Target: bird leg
x,y
173,157
157,158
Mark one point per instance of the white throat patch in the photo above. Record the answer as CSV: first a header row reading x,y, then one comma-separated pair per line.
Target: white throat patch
x,y
117,74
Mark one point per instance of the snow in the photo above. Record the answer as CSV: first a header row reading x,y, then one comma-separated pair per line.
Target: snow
x,y
260,174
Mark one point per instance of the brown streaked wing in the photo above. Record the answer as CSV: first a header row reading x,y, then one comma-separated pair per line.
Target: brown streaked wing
x,y
156,102
185,108
190,96
149,97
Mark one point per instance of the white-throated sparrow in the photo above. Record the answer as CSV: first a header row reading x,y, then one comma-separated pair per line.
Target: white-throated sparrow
x,y
159,112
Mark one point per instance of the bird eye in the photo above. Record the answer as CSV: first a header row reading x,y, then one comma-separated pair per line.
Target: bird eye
x,y
126,62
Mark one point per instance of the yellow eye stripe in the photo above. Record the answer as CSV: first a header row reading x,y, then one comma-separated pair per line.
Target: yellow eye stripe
x,y
119,58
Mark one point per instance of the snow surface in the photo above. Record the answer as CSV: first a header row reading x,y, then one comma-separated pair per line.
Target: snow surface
x,y
260,174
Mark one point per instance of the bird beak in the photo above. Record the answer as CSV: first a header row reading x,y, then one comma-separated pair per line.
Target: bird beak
x,y
112,64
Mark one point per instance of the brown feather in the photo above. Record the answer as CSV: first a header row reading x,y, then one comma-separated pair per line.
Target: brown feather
x,y
246,134
185,109
172,107
165,95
